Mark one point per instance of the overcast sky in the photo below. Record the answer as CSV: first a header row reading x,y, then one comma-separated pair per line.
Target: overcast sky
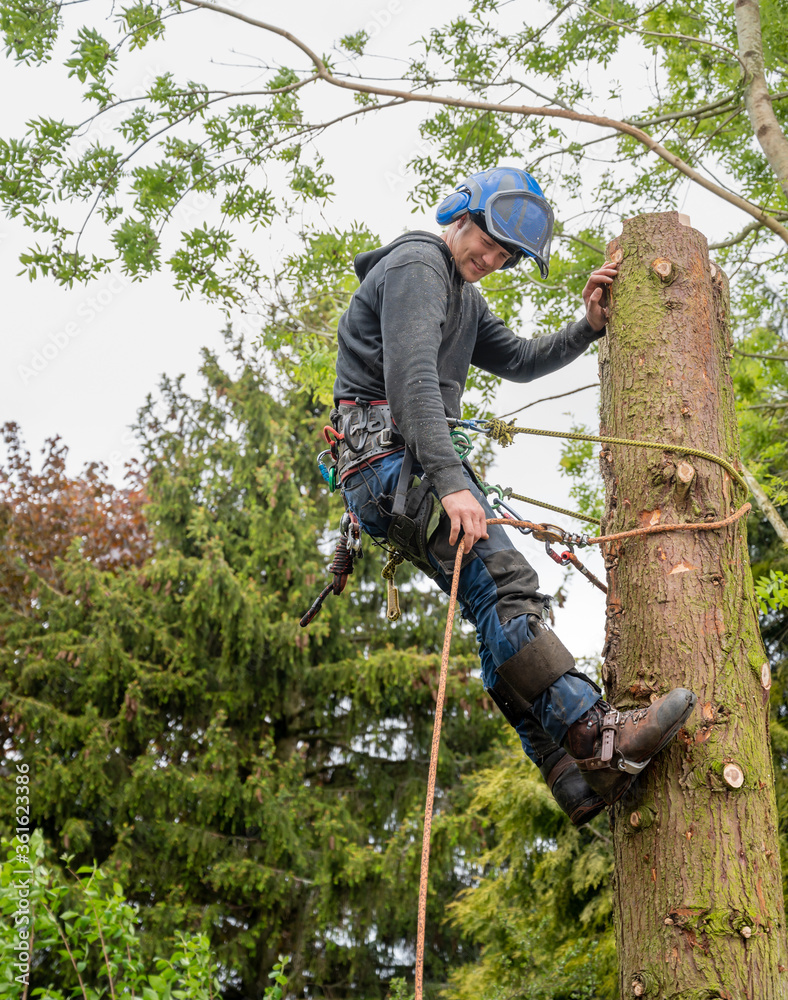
x,y
78,363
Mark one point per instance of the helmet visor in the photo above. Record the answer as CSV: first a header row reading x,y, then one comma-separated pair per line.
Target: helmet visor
x,y
524,220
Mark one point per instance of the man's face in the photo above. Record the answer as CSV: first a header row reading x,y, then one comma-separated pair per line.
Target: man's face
x,y
475,253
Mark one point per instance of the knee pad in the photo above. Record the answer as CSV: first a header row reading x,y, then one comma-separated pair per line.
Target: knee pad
x,y
531,671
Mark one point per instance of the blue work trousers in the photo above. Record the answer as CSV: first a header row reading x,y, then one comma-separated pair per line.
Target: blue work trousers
x,y
498,589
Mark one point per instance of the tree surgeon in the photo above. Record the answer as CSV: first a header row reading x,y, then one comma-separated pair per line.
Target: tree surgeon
x,y
406,343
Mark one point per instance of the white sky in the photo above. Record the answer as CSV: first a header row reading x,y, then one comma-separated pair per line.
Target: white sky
x,y
97,351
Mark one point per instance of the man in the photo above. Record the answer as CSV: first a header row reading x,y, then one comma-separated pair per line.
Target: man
x,y
406,343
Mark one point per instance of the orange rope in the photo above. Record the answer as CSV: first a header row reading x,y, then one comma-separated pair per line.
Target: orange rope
x,y
654,528
436,739
436,733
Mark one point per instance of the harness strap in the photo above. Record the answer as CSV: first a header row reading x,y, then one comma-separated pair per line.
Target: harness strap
x,y
403,484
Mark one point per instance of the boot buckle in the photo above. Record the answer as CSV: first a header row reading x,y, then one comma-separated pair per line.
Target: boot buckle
x,y
609,757
609,725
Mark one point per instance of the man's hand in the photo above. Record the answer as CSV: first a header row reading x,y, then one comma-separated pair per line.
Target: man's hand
x,y
467,513
595,295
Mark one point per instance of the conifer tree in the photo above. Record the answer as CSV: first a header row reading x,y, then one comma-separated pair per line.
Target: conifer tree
x,y
243,777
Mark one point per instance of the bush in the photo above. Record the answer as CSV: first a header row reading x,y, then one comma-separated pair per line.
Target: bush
x,y
68,938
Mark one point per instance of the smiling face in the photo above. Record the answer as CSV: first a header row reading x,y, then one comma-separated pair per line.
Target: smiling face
x,y
475,253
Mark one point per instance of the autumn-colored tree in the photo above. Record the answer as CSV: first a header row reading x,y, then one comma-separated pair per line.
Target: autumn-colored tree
x,y
43,513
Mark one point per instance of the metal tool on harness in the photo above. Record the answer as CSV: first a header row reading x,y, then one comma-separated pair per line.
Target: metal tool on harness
x,y
350,529
553,534
347,550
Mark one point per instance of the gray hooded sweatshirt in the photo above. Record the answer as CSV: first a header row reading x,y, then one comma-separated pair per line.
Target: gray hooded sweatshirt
x,y
410,334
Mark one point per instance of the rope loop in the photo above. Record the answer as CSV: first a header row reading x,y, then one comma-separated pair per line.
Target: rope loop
x,y
395,559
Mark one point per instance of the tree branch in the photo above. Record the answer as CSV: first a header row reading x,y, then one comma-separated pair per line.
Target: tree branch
x,y
545,399
104,950
223,94
765,126
584,243
717,107
665,34
765,357
749,228
600,121
767,507
306,130
68,949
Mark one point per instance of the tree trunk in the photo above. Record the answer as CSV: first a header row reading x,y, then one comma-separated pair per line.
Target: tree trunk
x,y
698,889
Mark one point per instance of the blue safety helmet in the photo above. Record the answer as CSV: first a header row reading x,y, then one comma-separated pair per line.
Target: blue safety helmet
x,y
510,207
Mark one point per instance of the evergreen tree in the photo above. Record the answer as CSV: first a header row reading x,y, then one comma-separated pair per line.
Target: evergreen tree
x,y
243,778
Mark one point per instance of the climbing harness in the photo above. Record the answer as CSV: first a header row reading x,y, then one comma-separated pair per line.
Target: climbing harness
x,y
368,431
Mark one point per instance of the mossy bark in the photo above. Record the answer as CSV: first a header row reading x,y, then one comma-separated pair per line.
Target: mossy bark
x,y
698,891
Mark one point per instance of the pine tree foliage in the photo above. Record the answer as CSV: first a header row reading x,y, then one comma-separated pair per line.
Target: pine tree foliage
x,y
242,777
542,912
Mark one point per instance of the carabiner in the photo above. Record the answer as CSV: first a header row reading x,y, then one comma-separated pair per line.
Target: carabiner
x,y
509,512
461,442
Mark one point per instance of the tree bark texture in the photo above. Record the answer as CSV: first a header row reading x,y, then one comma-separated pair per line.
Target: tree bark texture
x,y
698,890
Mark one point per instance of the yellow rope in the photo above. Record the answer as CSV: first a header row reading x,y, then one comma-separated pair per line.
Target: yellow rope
x,y
393,613
503,433
558,510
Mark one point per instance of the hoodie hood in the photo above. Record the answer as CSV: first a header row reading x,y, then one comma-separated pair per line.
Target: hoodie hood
x,y
364,262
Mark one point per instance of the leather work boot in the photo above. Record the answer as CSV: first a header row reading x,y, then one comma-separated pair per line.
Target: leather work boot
x,y
562,775
612,748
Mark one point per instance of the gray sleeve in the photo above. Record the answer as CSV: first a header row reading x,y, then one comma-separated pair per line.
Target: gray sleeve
x,y
413,306
518,359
